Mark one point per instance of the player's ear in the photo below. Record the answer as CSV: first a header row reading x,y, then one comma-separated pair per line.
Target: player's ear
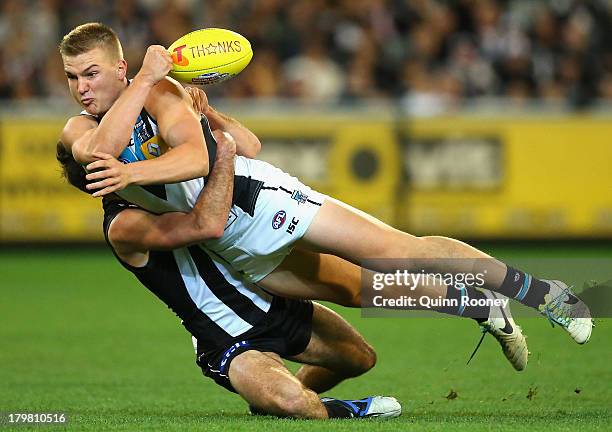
x,y
121,69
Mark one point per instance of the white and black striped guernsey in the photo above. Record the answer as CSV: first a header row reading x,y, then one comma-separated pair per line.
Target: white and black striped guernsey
x,y
212,302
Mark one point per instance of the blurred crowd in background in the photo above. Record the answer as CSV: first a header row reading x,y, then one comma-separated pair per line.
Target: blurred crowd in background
x,y
430,56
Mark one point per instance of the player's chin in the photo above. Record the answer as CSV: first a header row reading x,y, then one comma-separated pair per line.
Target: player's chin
x,y
91,109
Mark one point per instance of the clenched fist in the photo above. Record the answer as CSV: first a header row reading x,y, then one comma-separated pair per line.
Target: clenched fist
x,y
156,64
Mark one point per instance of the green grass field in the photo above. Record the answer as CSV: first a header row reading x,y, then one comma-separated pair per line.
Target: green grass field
x,y
78,334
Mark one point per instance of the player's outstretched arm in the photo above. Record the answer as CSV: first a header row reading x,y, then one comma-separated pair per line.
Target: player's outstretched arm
x,y
247,143
137,231
84,136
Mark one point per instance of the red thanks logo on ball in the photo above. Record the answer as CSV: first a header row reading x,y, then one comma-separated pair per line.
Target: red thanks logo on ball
x,y
177,56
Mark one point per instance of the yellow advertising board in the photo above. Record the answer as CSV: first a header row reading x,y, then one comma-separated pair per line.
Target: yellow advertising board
x,y
536,177
36,204
462,176
356,160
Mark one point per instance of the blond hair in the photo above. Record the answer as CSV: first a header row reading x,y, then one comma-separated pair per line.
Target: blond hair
x,y
89,36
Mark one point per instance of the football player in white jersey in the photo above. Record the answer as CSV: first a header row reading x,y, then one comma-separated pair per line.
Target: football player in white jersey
x,y
240,333
96,74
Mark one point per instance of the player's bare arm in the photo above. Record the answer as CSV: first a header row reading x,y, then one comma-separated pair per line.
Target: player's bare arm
x,y
248,145
134,232
113,177
92,77
180,129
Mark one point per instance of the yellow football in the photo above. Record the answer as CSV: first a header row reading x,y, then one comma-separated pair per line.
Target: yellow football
x,y
210,55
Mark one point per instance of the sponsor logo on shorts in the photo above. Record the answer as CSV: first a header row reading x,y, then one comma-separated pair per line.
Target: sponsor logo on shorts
x,y
299,196
279,219
292,225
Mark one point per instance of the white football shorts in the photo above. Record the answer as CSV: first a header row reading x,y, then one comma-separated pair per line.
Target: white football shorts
x,y
271,211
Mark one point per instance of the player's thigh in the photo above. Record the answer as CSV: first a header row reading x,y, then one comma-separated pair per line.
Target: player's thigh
x,y
312,276
342,230
336,345
261,378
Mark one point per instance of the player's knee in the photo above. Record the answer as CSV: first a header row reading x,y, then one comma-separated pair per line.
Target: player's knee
x,y
362,360
403,245
367,359
352,300
370,359
442,247
426,251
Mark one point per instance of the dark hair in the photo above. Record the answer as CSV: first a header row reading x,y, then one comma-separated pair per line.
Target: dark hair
x,y
72,171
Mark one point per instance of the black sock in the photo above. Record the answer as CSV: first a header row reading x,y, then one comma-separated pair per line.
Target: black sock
x,y
460,305
524,288
336,409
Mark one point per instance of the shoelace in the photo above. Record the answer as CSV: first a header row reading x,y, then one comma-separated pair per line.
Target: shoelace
x,y
557,311
484,328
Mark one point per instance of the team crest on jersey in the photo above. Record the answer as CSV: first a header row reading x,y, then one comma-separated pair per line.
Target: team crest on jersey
x,y
279,219
292,225
299,196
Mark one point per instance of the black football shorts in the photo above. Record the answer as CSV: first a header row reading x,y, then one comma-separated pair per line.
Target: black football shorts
x,y
285,330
